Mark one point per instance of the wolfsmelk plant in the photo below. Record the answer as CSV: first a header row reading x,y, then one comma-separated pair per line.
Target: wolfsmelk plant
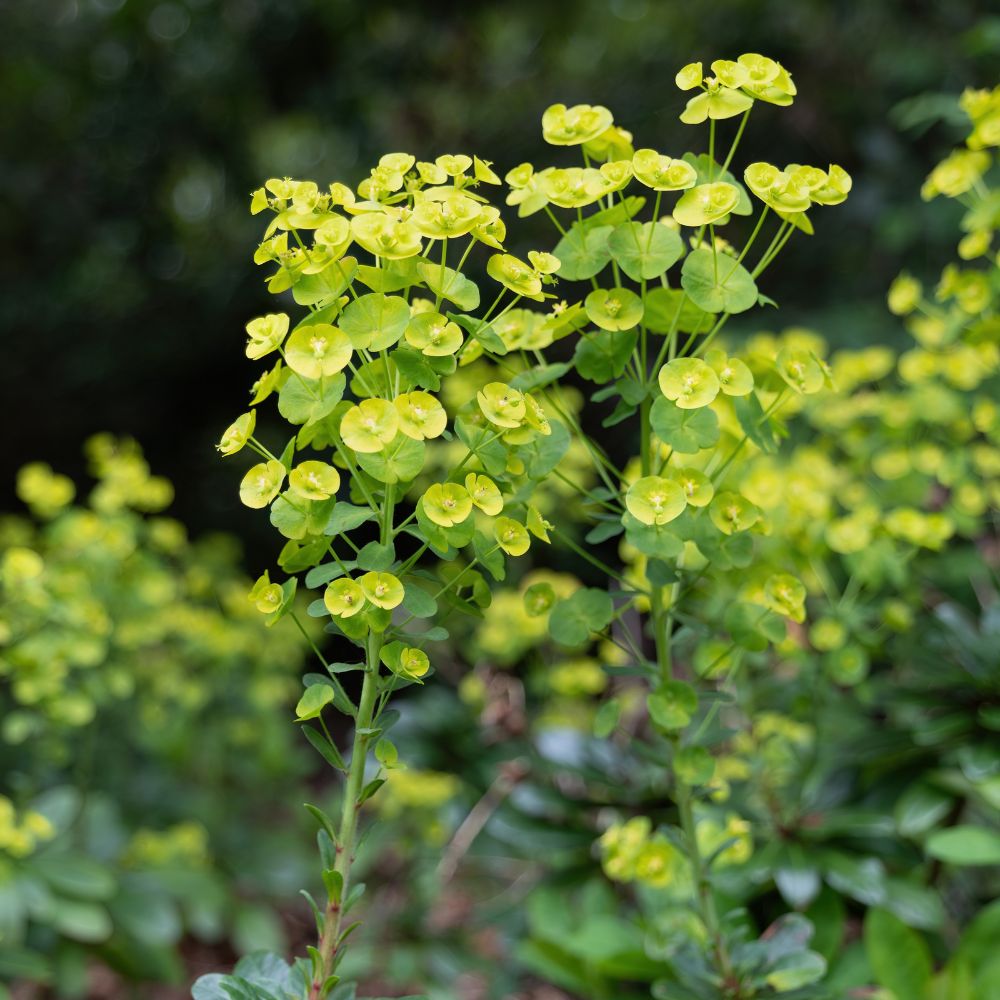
x,y
392,320
384,326
654,349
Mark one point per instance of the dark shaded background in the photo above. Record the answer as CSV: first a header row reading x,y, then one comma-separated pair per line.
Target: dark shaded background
x,y
132,131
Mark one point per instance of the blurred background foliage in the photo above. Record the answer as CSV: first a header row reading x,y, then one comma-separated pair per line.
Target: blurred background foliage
x,y
133,130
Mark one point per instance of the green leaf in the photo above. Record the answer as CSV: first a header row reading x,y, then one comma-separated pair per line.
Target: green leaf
x,y
602,355
573,620
476,438
375,321
305,400
415,368
662,305
391,275
717,283
450,285
401,461
418,602
919,808
325,748
87,922
645,250
965,845
77,876
861,879
606,718
296,517
686,431
313,701
899,956
345,517
583,252
653,540
323,288
672,705
539,377
546,451
916,905
377,557
752,626
757,427
792,972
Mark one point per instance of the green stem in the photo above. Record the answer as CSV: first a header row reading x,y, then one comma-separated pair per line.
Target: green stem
x,y
334,915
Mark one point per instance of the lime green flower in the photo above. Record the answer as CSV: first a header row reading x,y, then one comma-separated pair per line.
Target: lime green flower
x,y
562,126
690,76
706,203
266,334
370,425
730,512
447,504
454,165
432,173
344,598
314,480
484,493
735,378
47,492
318,349
801,369
847,665
434,335
511,536
956,174
534,415
413,663
266,384
655,500
827,634
836,189
612,144
514,274
382,589
544,263
266,597
781,191
904,295
483,172
717,102
573,187
20,564
236,435
786,595
502,405
448,217
262,484
420,415
767,80
697,487
490,229
537,524
689,382
661,173
385,236
616,174
614,308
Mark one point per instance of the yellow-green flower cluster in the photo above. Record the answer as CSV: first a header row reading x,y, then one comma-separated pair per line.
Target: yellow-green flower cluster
x,y
22,832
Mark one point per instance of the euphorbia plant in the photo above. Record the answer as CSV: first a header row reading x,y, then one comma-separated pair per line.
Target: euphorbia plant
x,y
359,377
708,602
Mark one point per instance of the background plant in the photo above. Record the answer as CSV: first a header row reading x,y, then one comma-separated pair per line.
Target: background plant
x,y
138,691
